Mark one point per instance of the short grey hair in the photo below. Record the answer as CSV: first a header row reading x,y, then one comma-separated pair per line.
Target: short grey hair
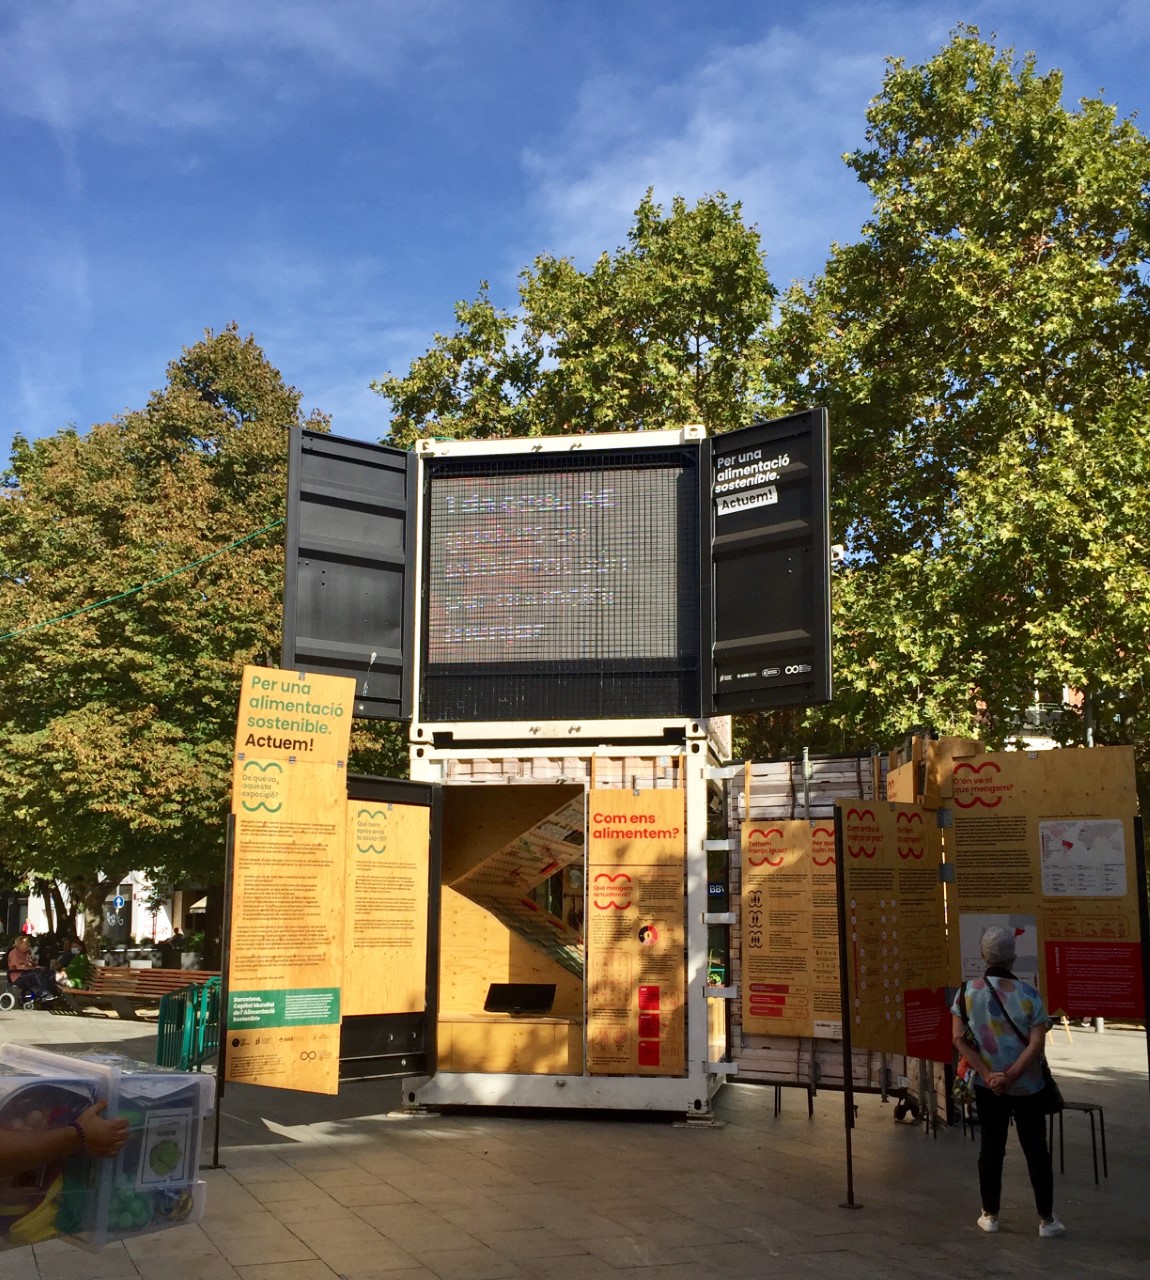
x,y
997,945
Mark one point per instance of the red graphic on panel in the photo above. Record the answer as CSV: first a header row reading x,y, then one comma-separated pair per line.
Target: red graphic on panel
x,y
649,997
756,855
1095,980
648,1026
649,1055
611,892
828,834
981,791
926,1017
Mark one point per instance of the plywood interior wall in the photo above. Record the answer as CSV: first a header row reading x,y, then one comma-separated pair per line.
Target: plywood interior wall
x,y
477,950
479,821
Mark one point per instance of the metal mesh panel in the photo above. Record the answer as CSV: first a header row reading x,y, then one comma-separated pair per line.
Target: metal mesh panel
x,y
562,586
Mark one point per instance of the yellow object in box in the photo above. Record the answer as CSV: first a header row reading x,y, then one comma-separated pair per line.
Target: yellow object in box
x,y
152,1183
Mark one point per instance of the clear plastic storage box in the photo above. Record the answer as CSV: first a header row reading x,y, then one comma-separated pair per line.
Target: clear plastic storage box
x,y
152,1184
31,1203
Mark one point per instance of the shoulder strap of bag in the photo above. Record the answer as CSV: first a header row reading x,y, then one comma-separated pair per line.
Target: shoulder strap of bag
x,y
1013,1026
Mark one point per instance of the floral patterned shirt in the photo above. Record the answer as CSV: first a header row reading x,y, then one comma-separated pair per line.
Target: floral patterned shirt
x,y
997,1041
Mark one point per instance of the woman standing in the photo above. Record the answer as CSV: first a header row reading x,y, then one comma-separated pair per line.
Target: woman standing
x,y
999,1025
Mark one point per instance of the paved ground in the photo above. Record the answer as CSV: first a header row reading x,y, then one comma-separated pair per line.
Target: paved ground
x,y
316,1189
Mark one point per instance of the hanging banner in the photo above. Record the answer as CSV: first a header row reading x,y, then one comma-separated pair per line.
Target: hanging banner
x,y
1043,843
289,801
636,971
895,929
790,930
386,897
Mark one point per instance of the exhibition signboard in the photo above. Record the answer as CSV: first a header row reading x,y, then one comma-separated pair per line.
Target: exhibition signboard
x,y
386,908
895,929
635,933
1043,843
790,979
289,803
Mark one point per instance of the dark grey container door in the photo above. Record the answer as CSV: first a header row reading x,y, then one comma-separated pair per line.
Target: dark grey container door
x,y
348,600
770,566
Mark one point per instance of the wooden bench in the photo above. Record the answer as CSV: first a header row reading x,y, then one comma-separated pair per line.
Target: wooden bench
x,y
126,992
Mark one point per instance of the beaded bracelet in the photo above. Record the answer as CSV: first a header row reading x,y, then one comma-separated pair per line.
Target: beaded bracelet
x,y
75,1124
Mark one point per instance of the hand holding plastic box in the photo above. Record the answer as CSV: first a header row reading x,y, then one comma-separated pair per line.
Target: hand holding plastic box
x,y
32,1201
152,1184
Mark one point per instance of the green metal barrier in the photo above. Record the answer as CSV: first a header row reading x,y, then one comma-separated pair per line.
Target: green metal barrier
x,y
189,1027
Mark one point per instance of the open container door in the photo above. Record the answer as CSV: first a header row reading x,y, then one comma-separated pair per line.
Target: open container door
x,y
348,595
770,566
389,998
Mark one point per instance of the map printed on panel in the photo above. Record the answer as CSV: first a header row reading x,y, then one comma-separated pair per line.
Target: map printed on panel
x,y
896,940
1085,859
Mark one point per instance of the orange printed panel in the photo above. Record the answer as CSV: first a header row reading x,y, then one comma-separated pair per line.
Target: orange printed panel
x,y
636,975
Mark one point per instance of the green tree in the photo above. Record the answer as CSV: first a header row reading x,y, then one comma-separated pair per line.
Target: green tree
x,y
667,331
117,725
983,352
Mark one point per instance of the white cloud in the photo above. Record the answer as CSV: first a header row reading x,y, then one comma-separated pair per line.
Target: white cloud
x,y
123,65
767,121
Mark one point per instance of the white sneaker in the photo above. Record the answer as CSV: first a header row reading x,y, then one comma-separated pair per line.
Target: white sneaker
x,y
1051,1228
988,1221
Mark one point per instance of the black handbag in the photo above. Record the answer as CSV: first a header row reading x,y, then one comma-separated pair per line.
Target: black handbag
x,y
1050,1095
1052,1100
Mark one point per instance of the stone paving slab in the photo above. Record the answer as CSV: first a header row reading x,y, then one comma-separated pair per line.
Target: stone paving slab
x,y
313,1188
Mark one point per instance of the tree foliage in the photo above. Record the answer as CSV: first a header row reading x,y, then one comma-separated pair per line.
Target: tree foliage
x,y
983,351
117,726
665,332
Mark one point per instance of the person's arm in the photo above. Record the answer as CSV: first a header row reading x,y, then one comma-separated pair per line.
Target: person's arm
x,y
966,1050
22,1150
1035,1048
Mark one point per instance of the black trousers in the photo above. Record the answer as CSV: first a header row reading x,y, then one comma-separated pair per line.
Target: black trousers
x,y
994,1113
35,982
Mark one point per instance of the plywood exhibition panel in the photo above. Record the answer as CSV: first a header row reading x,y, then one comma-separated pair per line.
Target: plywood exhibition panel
x,y
1043,843
636,965
286,930
385,925
895,929
790,980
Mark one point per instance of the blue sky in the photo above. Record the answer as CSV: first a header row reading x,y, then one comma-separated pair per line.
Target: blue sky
x,y
334,175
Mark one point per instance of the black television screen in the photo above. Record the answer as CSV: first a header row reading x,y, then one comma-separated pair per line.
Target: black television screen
x,y
561,585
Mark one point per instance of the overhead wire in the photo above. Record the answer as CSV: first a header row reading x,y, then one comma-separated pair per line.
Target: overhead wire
x,y
155,582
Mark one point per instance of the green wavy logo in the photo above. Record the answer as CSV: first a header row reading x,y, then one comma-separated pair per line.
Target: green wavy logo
x,y
261,804
263,768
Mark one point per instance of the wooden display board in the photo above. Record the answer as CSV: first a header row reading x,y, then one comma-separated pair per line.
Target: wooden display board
x,y
636,965
386,904
790,977
1043,843
289,789
895,929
